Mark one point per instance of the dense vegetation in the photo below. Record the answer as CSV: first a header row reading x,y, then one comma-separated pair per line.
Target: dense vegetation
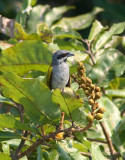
x,y
33,125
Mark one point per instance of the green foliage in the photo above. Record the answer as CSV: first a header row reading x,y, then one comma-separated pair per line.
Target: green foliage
x,y
40,30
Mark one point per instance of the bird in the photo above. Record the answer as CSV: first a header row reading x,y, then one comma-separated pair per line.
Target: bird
x,y
58,75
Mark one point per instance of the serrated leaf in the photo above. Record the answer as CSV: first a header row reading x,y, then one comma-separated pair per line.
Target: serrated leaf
x,y
33,95
79,22
107,35
115,93
26,56
8,121
109,66
119,138
56,13
66,33
96,153
95,30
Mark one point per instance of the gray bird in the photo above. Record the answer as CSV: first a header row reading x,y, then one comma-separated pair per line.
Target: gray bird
x,y
58,75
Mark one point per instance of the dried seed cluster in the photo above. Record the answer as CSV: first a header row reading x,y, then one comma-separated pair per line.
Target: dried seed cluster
x,y
91,91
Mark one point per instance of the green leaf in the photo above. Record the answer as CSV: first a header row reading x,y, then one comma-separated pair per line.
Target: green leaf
x,y
79,22
67,104
5,156
71,44
26,56
7,135
107,35
5,147
66,33
54,155
111,116
109,66
44,32
36,16
39,153
19,33
33,95
6,100
115,93
8,121
96,153
25,10
67,151
56,13
119,138
95,30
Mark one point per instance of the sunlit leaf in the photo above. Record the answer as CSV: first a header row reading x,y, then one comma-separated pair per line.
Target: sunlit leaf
x,y
36,16
33,95
5,156
95,30
111,116
56,13
107,35
66,33
6,100
109,65
78,22
115,93
26,56
67,104
96,153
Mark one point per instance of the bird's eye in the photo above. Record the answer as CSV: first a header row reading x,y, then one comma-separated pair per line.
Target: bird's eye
x,y
62,55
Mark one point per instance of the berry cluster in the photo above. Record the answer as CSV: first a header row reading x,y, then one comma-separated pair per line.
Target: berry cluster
x,y
91,91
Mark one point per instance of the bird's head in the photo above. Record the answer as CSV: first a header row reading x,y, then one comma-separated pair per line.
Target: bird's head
x,y
61,56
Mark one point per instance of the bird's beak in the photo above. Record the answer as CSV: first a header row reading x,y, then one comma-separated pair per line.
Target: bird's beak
x,y
70,54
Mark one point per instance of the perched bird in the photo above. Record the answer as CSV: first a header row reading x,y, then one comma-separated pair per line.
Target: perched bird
x,y
58,75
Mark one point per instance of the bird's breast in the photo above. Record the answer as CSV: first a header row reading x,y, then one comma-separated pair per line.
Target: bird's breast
x,y
60,76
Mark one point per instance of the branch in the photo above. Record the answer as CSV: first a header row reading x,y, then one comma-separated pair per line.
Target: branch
x,y
89,50
52,135
97,140
109,142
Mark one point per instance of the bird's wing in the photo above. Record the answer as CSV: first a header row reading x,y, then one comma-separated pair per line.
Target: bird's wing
x,y
49,77
69,82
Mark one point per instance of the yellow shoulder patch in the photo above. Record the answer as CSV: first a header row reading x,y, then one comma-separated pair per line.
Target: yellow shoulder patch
x,y
49,73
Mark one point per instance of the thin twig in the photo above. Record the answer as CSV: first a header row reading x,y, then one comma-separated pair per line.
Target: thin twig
x,y
89,50
52,135
86,154
82,129
109,142
97,140
61,120
42,130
